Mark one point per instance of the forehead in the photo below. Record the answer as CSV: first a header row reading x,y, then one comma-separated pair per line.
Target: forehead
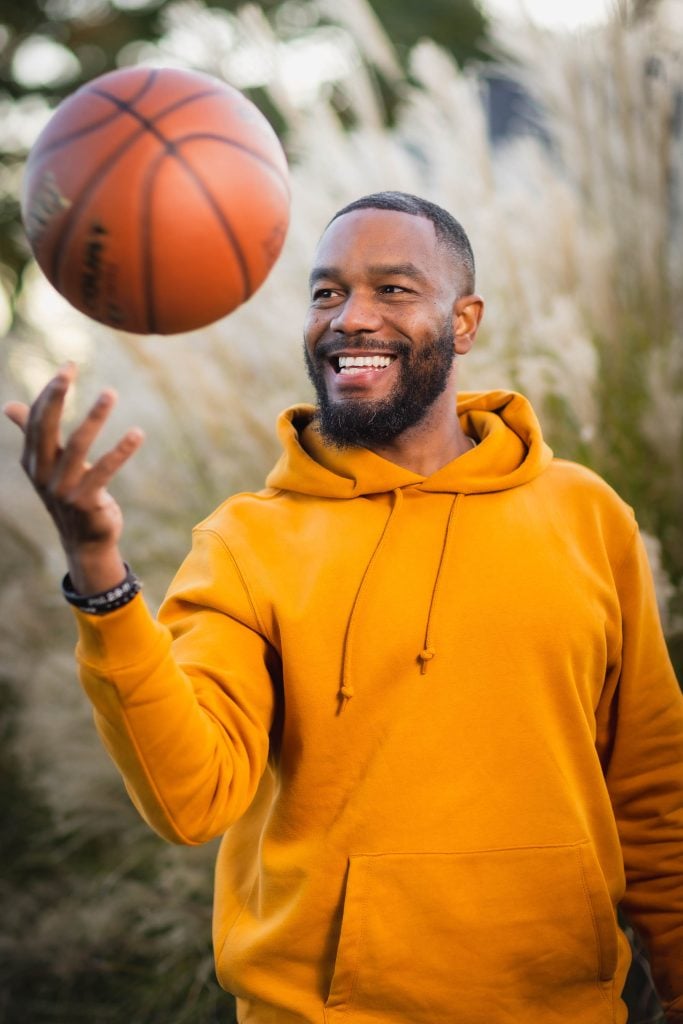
x,y
376,237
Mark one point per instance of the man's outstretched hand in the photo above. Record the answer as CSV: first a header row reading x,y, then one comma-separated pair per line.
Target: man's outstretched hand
x,y
74,491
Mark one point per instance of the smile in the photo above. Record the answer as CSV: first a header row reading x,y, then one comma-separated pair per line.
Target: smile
x,y
349,365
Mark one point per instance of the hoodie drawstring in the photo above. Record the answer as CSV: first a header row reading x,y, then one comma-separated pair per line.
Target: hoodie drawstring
x,y
346,690
428,651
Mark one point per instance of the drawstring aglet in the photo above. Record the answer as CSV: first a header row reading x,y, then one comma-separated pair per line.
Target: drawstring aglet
x,y
346,692
426,656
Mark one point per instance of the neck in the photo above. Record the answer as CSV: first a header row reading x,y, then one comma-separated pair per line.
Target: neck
x,y
432,443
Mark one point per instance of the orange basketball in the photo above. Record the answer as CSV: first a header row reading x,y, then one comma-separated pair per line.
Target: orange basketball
x,y
156,200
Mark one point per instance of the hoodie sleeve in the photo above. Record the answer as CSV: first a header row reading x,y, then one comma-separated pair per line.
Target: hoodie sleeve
x,y
184,705
644,775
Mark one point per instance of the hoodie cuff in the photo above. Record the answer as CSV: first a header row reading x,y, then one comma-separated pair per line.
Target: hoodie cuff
x,y
119,639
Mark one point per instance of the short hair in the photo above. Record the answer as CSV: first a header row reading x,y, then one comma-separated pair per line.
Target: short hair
x,y
449,231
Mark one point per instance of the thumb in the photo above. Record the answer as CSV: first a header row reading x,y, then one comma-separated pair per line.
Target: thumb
x,y
17,412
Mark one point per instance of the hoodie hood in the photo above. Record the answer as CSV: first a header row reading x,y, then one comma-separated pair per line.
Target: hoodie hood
x,y
511,451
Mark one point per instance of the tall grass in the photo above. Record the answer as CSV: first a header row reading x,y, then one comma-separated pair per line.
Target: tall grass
x,y
577,231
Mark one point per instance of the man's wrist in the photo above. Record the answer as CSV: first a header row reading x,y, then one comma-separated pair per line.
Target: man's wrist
x,y
94,569
106,600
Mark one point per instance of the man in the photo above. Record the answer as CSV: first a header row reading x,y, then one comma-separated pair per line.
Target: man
x,y
418,683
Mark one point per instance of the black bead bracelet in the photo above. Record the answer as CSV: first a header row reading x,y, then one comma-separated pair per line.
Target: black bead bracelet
x,y
107,600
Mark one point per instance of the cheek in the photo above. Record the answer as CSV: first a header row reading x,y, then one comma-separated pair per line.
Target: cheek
x,y
314,326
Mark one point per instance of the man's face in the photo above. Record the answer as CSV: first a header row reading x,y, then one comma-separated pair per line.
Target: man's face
x,y
379,342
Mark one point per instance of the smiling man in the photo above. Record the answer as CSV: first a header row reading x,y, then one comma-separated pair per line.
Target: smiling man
x,y
417,683
382,331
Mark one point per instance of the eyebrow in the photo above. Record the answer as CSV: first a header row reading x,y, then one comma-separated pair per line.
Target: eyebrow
x,y
375,270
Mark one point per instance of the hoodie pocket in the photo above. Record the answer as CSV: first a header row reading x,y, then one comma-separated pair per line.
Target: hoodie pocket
x,y
506,935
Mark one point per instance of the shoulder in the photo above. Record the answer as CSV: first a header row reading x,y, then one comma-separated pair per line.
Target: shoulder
x,y
587,504
575,478
242,507
251,518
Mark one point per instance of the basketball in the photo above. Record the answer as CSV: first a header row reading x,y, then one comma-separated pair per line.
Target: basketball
x,y
156,200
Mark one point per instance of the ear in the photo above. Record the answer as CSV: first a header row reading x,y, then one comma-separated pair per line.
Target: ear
x,y
467,314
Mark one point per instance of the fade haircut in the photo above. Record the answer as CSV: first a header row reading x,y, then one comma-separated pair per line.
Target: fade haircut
x,y
449,231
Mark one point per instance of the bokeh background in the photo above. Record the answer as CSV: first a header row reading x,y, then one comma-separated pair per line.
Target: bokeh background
x,y
559,146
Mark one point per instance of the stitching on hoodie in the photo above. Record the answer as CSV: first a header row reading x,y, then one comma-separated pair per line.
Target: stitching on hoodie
x,y
627,550
266,494
236,920
362,923
479,849
598,944
213,533
362,899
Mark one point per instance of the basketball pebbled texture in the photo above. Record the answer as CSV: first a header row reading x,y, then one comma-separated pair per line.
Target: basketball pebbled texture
x,y
156,200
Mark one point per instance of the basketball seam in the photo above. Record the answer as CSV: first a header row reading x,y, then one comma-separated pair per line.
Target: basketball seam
x,y
146,241
212,137
149,123
222,220
66,139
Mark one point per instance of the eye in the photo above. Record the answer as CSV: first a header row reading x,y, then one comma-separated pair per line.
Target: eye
x,y
392,289
323,294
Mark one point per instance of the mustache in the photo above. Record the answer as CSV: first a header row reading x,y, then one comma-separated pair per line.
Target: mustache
x,y
332,347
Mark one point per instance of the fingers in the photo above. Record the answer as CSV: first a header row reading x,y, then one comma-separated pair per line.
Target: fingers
x,y
97,477
71,465
17,412
62,471
42,427
73,491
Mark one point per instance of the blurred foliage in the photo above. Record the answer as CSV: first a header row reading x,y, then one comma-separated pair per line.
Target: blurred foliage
x,y
96,31
102,34
140,970
460,26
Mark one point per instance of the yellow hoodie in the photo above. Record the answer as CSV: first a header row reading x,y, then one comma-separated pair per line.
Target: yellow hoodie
x,y
436,722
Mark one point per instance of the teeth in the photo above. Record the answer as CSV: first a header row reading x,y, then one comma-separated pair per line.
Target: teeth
x,y
361,362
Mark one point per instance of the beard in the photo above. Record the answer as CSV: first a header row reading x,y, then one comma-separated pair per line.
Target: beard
x,y
423,375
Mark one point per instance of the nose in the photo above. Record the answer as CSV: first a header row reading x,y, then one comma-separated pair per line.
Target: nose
x,y
358,314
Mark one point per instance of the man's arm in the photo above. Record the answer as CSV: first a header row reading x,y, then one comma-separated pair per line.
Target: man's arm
x,y
644,772
184,705
187,719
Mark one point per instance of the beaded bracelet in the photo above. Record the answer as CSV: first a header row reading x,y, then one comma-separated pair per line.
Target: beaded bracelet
x,y
107,600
